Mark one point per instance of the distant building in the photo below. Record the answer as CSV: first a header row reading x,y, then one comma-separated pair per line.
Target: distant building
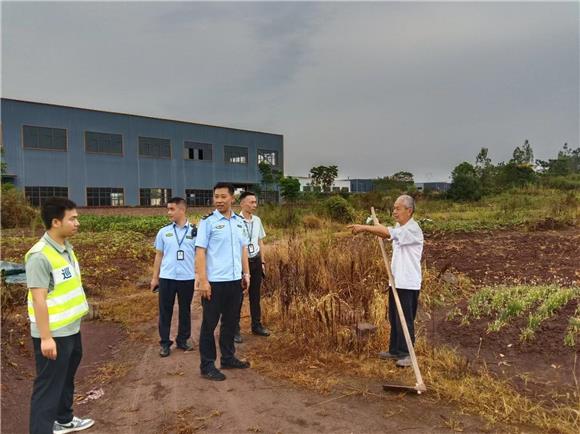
x,y
339,185
99,158
432,186
362,185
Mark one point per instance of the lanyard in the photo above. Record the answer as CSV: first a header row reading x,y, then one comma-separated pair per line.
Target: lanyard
x,y
179,243
250,230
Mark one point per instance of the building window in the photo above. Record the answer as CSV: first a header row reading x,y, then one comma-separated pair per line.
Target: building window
x,y
199,197
235,155
154,196
105,196
153,147
37,195
103,143
269,157
44,138
307,189
197,151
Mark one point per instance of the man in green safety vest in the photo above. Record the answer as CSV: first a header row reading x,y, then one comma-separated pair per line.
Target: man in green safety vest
x,y
56,304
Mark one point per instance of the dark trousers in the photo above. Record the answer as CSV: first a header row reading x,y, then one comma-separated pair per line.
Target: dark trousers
x,y
254,293
224,303
54,385
409,299
168,288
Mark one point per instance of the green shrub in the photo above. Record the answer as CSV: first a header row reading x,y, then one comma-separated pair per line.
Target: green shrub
x,y
571,182
145,225
16,212
280,216
339,209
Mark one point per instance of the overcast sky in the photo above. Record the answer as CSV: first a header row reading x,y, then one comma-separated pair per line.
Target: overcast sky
x,y
371,87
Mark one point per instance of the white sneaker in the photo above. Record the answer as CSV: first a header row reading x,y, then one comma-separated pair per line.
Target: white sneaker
x,y
77,424
404,363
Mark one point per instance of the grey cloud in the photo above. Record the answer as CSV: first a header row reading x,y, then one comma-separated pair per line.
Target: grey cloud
x,y
372,87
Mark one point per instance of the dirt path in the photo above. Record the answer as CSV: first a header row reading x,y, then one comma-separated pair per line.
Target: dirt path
x,y
102,342
169,396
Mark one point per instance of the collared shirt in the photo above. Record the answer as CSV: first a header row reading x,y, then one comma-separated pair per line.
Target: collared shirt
x,y
223,240
253,232
39,275
407,251
168,241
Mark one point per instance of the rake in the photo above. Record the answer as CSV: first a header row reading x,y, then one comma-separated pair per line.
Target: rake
x,y
419,385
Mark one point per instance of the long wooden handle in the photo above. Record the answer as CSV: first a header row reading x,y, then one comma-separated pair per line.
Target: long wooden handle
x,y
420,386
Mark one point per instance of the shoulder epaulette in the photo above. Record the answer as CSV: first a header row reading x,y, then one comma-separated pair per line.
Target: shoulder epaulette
x,y
206,216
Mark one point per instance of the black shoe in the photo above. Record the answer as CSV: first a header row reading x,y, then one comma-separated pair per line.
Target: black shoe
x,y
164,351
235,364
238,338
187,346
213,374
260,330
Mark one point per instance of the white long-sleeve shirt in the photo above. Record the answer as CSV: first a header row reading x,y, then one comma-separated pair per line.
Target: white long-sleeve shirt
x,y
407,251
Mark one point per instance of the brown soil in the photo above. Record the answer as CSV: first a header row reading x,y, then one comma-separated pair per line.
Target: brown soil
x,y
543,367
101,345
168,395
506,257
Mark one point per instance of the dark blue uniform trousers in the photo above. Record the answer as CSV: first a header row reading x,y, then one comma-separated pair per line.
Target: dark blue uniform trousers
x,y
225,304
409,299
168,289
54,385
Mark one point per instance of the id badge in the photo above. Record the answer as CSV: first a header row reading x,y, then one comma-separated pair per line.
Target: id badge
x,y
250,249
180,255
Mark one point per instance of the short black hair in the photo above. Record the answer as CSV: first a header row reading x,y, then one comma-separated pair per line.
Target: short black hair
x,y
246,194
177,201
54,208
227,185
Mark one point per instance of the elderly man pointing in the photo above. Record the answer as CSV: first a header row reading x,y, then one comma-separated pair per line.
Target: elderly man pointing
x,y
407,239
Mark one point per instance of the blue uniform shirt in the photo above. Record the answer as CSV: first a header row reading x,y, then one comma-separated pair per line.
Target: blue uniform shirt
x,y
223,240
167,241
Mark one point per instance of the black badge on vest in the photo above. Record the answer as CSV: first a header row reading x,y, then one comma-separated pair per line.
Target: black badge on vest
x,y
193,232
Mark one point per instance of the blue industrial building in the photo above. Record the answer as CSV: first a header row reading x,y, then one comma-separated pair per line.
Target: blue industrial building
x,y
99,158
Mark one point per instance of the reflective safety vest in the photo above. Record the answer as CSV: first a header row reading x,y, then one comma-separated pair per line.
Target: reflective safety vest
x,y
67,301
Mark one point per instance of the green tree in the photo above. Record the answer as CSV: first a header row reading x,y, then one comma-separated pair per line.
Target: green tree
x,y
3,165
400,181
516,175
403,178
523,155
465,184
289,188
269,174
323,176
485,171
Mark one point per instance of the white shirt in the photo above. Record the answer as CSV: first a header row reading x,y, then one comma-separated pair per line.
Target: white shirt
x,y
407,251
253,233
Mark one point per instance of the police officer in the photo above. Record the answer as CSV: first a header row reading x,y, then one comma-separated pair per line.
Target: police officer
x,y
56,304
222,274
174,274
254,233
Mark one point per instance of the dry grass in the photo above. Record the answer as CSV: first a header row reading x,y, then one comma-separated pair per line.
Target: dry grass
x,y
320,287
